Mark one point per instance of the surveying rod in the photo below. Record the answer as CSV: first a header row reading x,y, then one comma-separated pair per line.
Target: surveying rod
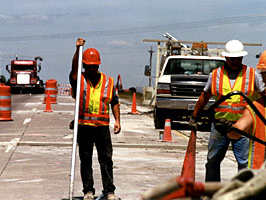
x,y
74,147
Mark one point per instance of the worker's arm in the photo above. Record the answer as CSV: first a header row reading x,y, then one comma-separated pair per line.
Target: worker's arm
x,y
202,101
263,93
116,113
204,98
243,124
74,70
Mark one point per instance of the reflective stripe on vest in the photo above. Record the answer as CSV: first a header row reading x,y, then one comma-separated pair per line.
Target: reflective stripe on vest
x,y
232,108
257,152
94,101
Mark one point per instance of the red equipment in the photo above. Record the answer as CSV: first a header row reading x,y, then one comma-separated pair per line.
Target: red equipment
x,y
24,75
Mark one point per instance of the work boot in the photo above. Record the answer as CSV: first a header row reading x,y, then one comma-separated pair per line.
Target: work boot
x,y
111,196
71,125
88,196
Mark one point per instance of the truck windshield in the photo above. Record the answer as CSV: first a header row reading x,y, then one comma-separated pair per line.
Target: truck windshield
x,y
191,66
23,67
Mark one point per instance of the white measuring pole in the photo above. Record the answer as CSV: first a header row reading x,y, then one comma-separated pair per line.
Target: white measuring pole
x,y
74,148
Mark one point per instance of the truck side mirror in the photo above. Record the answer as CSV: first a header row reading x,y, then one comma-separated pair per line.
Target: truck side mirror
x,y
39,67
147,70
38,58
2,79
7,69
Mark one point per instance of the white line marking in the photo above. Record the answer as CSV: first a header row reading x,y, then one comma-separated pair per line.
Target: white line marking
x,y
70,136
31,181
9,180
136,131
22,160
31,103
66,104
40,111
40,103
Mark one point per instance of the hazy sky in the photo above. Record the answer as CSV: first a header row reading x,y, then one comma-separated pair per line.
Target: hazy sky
x,y
49,29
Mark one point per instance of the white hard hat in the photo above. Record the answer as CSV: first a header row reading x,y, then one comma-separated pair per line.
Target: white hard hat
x,y
234,48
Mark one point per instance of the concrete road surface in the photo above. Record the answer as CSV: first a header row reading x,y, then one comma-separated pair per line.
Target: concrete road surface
x,y
36,152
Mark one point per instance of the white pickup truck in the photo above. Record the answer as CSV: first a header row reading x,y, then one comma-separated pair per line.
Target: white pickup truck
x,y
180,83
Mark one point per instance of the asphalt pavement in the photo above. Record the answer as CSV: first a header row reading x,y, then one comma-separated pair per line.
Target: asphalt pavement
x,y
36,148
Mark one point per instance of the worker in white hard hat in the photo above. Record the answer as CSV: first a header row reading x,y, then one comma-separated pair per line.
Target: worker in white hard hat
x,y
233,76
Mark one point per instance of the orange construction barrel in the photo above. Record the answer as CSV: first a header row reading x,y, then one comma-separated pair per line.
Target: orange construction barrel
x,y
51,90
5,102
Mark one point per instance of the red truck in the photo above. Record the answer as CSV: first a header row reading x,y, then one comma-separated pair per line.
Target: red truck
x,y
24,76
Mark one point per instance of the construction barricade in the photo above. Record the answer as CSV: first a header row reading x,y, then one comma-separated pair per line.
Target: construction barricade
x,y
5,102
48,107
51,90
64,89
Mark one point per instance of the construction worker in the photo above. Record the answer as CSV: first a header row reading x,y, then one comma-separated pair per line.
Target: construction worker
x,y
250,122
96,94
233,76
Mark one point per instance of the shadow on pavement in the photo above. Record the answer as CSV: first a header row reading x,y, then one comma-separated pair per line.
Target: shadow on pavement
x,y
75,198
184,126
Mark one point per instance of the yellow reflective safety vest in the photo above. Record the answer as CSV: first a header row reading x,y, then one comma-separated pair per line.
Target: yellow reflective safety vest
x,y
256,155
94,101
232,108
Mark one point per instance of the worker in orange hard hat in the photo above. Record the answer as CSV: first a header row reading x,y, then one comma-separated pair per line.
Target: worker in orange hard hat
x,y
262,62
96,95
250,122
233,76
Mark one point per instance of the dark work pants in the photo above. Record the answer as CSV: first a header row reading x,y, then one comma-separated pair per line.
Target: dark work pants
x,y
100,136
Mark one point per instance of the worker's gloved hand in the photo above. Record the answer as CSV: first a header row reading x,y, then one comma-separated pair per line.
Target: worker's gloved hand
x,y
71,125
233,135
223,125
193,123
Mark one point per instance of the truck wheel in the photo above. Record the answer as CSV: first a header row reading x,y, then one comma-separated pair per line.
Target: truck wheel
x,y
158,118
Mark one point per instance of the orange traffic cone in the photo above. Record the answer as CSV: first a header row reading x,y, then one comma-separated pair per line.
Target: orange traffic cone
x,y
134,106
116,92
48,104
167,136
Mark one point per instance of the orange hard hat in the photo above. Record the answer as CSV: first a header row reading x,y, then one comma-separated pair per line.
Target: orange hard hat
x,y
91,57
262,62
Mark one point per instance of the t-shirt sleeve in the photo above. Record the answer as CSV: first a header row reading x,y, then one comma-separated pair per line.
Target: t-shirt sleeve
x,y
115,99
207,87
259,84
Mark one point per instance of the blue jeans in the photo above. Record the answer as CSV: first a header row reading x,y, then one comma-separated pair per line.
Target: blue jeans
x,y
217,147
